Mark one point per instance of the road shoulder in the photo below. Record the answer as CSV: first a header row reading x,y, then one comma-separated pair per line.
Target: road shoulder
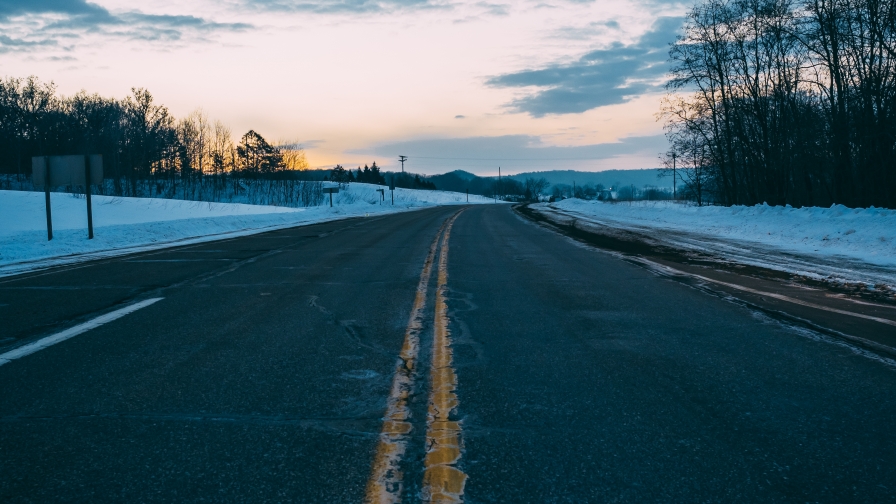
x,y
850,312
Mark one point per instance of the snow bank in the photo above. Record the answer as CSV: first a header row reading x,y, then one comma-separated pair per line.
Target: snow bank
x,y
126,225
823,236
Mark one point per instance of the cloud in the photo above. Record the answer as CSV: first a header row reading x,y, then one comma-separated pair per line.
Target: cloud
x,y
460,116
137,22
9,44
70,19
588,31
300,144
8,41
599,78
9,8
346,6
494,9
521,151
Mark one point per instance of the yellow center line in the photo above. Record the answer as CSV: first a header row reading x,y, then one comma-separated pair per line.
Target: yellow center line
x,y
385,483
443,482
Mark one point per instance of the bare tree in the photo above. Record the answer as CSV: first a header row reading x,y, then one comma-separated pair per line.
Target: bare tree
x,y
535,188
292,155
787,101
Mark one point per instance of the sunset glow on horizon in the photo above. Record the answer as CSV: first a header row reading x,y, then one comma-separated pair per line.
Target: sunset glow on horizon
x,y
453,85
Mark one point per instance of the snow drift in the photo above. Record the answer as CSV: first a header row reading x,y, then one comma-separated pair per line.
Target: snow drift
x,y
125,225
851,244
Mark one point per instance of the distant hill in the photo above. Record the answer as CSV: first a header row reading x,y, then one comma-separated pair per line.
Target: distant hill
x,y
609,178
460,181
463,174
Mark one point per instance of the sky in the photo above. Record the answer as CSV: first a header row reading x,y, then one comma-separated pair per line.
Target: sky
x,y
527,86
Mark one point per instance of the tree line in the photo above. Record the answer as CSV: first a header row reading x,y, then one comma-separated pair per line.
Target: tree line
x,y
142,143
373,175
785,102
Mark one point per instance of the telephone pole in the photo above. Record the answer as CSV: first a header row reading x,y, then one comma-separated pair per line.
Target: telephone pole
x,y
673,175
402,159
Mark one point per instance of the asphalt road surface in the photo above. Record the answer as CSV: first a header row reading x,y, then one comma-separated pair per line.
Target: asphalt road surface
x,y
441,355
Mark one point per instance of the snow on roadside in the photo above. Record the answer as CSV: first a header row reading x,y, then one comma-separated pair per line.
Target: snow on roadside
x,y
853,244
126,225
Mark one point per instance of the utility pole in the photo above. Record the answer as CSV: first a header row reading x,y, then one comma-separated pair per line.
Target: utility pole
x,y
402,159
673,175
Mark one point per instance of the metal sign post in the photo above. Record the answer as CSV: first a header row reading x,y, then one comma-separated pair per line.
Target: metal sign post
x,y
392,189
54,171
330,191
87,166
47,199
382,194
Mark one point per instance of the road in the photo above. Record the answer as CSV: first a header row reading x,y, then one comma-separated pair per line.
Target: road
x,y
448,354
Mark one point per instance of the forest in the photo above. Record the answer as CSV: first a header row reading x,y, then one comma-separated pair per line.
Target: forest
x,y
785,102
142,143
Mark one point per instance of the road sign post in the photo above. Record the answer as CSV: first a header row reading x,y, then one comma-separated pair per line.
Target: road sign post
x,y
87,166
47,200
382,194
392,189
54,171
331,191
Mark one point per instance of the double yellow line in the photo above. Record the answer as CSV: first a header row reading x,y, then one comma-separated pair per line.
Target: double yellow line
x,y
443,482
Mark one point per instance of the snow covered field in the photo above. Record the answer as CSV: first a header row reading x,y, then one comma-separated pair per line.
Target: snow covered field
x,y
838,243
125,225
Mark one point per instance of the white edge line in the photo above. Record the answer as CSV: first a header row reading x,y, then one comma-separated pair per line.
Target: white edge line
x,y
47,341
